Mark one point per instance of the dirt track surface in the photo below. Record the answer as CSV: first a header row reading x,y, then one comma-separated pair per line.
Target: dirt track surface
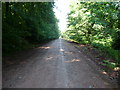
x,y
57,64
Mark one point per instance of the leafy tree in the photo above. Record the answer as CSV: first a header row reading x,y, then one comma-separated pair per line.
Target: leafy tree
x,y
95,23
27,23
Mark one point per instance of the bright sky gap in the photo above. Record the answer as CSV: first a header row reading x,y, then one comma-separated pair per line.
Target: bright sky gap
x,y
61,10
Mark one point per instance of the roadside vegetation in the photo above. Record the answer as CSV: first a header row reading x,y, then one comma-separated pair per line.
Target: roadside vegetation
x,y
96,24
26,23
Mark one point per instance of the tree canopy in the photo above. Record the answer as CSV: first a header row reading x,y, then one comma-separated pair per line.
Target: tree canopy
x,y
26,23
95,23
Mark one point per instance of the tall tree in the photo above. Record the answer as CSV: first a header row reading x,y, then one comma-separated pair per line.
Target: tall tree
x,y
27,23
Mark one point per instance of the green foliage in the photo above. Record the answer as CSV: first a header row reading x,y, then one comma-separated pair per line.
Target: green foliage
x,y
109,64
95,23
27,23
116,41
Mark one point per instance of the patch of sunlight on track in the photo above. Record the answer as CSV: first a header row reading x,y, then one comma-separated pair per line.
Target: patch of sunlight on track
x,y
44,47
74,60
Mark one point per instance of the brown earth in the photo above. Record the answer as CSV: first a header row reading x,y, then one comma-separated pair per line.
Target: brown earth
x,y
98,56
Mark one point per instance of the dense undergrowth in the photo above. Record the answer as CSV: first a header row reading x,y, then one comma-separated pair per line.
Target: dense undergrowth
x,y
27,23
96,24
